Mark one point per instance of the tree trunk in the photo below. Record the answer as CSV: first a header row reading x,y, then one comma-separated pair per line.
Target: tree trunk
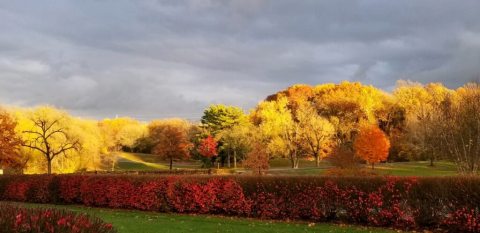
x,y
317,160
228,160
297,162
373,166
432,158
49,166
234,159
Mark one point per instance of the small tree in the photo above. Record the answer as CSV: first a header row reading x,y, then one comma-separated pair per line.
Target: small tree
x,y
257,159
372,145
208,148
9,141
170,140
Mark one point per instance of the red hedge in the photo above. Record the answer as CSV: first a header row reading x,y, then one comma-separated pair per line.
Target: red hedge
x,y
403,203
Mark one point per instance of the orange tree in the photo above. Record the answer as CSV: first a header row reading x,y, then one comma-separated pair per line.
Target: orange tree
x,y
257,159
372,144
170,138
9,141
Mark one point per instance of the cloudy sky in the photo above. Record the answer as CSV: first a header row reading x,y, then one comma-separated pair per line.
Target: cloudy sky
x,y
156,59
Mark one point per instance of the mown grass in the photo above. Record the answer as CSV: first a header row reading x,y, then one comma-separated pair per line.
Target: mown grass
x,y
147,162
126,221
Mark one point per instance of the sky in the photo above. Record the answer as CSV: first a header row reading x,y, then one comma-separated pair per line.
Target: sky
x,y
159,59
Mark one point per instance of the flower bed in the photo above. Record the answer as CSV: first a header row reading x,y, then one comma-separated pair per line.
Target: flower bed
x,y
36,220
449,203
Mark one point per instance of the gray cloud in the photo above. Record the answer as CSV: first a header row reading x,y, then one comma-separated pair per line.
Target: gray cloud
x,y
152,59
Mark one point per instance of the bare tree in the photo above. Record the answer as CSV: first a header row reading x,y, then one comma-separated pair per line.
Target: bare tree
x,y
49,137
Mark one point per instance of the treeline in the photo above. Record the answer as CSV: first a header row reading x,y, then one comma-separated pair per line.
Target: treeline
x,y
346,122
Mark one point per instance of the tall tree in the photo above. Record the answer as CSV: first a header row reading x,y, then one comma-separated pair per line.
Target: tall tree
x,y
236,141
10,142
170,139
281,131
49,134
219,117
372,144
423,106
316,132
461,131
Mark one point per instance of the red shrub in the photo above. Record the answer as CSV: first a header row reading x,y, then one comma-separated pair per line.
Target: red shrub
x,y
404,203
69,188
15,219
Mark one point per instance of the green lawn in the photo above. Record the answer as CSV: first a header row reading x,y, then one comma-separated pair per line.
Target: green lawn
x,y
148,222
147,162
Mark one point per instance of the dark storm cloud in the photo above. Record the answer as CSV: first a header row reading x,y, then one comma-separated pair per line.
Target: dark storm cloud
x,y
153,59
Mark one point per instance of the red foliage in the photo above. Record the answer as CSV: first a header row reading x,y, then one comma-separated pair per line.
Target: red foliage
x,y
208,147
15,219
403,203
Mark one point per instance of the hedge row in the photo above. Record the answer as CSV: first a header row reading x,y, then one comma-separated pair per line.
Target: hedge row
x,y
37,220
450,203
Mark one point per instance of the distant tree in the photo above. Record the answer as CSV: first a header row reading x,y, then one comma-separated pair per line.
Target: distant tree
x,y
119,133
49,134
10,142
372,144
236,141
208,147
461,131
257,159
220,117
342,156
423,106
280,130
316,132
170,139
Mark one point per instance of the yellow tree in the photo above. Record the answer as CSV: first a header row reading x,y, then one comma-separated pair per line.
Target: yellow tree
x,y
423,107
49,134
372,144
118,133
281,132
347,105
316,132
236,141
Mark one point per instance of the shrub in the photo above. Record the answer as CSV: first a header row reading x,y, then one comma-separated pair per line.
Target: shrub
x,y
36,220
403,203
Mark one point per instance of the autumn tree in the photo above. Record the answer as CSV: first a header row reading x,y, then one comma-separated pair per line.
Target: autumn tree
x,y
49,134
257,159
170,139
372,144
119,133
316,132
280,130
348,105
236,141
208,147
219,117
423,106
10,142
461,131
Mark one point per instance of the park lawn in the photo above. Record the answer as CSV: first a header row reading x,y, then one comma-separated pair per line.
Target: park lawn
x,y
147,162
129,221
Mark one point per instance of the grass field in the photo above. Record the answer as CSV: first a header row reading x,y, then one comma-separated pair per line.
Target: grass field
x,y
147,222
147,162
